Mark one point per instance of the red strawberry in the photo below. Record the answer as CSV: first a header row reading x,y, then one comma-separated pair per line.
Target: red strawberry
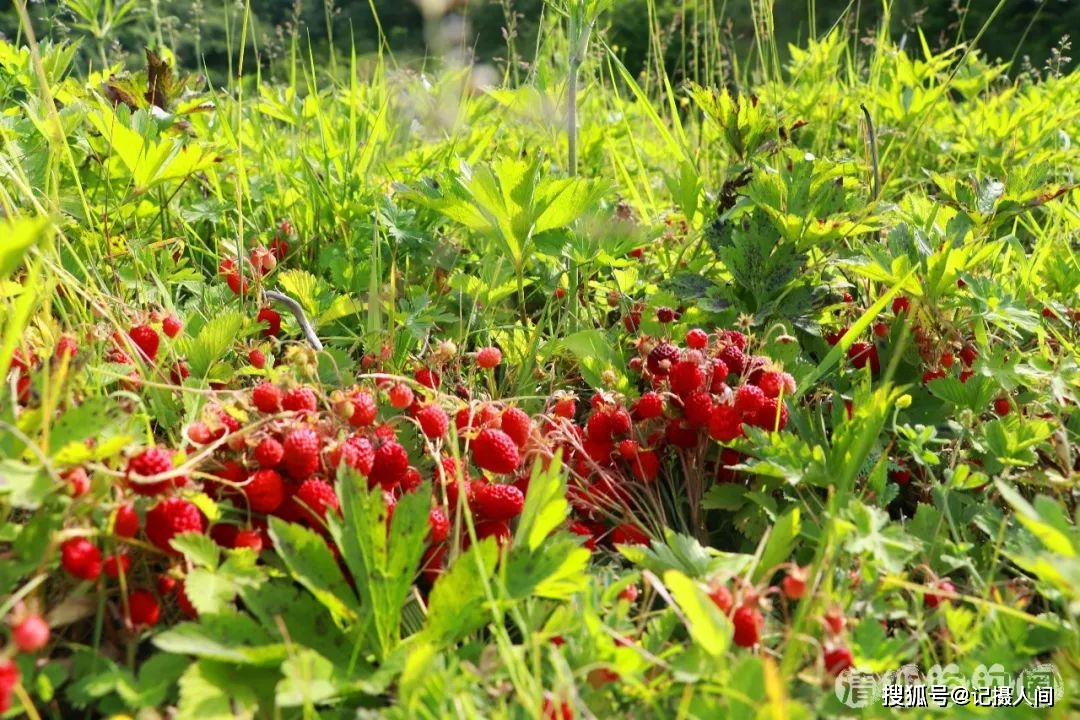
x,y
564,407
171,326
968,355
681,433
649,406
733,358
598,426
272,318
900,304
794,584
497,502
146,339
114,565
498,529
266,397
1002,406
838,660
518,425
390,465
300,399
439,524
316,498
749,399
697,339
495,451
661,358
645,465
268,453
66,345
30,634
143,608
364,409
721,596
686,377
302,447
698,408
257,358
78,480
862,354
932,600
664,315
401,396
433,421
81,558
249,539
834,620
725,423
265,491
356,452
169,518
748,623
152,461
428,378
488,357
125,522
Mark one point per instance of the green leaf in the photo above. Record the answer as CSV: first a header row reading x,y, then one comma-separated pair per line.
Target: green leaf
x,y
724,496
709,627
19,236
545,505
305,619
210,691
158,676
200,549
232,638
458,604
557,570
781,543
213,340
303,287
309,678
311,564
595,355
26,487
209,591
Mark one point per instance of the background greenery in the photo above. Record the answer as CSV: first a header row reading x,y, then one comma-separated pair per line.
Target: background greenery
x,y
207,34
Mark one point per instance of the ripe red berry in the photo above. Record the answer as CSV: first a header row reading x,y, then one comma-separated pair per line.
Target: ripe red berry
x,y
401,396
837,660
932,600
81,558
881,330
125,522
749,399
968,354
302,448
301,400
364,409
439,525
66,345
518,425
645,465
630,593
272,319
318,498
146,339
934,374
249,539
78,481
649,405
356,452
733,359
725,423
685,377
900,304
169,518
495,451
497,502
721,597
433,421
697,339
1002,406
31,633
946,360
151,461
266,397
862,354
390,465
661,358
834,620
794,584
488,357
116,564
264,490
564,407
143,608
171,326
428,378
665,315
268,453
629,534
748,623
257,358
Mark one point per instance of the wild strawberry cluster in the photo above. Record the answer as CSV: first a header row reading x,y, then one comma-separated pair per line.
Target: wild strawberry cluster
x,y
275,450
698,394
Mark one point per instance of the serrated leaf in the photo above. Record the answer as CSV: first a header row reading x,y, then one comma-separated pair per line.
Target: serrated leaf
x,y
709,627
311,563
232,638
213,340
781,542
200,549
595,355
208,591
25,486
303,287
305,619
19,236
545,505
308,678
209,691
555,571
724,496
457,605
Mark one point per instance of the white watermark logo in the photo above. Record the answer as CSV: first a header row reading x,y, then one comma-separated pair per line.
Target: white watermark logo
x,y
1039,685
